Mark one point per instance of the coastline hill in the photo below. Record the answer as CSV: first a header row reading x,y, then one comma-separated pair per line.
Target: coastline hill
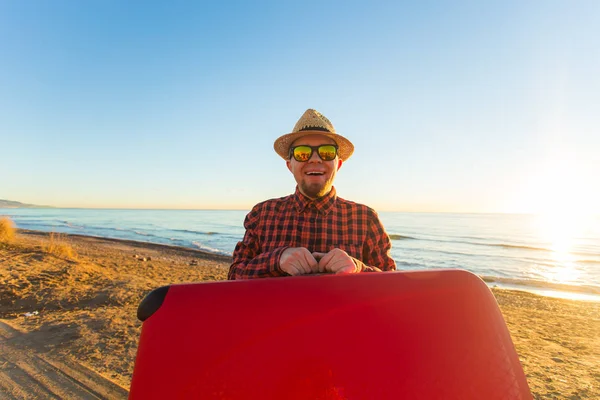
x,y
16,204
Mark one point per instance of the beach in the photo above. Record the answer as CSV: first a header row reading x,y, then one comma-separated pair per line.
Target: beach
x,y
81,305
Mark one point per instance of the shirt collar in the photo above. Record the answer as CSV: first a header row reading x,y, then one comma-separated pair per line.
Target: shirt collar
x,y
323,204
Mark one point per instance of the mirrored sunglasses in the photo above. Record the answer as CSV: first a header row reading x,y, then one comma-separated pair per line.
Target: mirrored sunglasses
x,y
303,153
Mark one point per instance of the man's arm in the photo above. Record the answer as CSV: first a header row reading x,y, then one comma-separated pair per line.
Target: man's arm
x,y
376,250
248,260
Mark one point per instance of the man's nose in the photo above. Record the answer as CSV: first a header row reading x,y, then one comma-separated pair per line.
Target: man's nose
x,y
315,157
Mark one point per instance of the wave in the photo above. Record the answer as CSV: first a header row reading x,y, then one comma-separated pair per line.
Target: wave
x,y
144,233
30,225
130,233
102,230
411,265
208,249
64,225
523,247
501,245
505,245
445,252
592,289
513,246
195,232
588,261
13,216
401,237
72,225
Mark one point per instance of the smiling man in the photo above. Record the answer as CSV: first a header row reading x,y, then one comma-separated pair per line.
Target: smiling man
x,y
312,230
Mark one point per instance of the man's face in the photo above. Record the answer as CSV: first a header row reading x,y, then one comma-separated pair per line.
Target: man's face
x,y
315,176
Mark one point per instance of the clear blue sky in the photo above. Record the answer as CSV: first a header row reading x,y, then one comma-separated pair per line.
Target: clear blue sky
x,y
469,106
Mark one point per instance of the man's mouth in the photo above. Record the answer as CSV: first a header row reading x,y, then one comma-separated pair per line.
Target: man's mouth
x,y
314,173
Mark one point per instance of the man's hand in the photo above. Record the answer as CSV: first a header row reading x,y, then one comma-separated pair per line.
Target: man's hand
x,y
336,261
298,261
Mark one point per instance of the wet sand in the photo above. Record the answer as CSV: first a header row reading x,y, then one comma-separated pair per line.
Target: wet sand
x,y
83,308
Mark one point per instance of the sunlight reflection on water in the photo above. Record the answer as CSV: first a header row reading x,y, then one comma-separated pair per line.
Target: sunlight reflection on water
x,y
561,232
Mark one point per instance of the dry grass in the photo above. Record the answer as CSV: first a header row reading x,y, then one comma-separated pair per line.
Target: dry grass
x,y
87,306
7,230
59,246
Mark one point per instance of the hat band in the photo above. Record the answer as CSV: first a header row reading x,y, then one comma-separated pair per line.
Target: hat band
x,y
315,128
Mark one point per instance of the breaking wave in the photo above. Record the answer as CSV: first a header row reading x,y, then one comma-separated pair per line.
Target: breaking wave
x,y
401,237
543,284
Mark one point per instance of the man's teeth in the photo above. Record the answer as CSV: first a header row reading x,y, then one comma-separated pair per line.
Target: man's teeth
x,y
314,173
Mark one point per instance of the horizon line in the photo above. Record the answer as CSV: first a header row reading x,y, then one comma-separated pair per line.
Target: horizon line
x,y
248,209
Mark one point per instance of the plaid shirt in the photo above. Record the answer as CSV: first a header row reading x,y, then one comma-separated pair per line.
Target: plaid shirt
x,y
319,225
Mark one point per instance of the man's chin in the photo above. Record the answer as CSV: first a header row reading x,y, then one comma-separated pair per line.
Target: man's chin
x,y
315,191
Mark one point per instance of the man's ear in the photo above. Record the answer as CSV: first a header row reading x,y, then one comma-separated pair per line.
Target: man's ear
x,y
289,165
340,162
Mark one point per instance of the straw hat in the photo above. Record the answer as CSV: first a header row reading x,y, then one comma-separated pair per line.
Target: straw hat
x,y
313,122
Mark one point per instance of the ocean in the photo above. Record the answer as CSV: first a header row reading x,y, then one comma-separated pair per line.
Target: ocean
x,y
552,256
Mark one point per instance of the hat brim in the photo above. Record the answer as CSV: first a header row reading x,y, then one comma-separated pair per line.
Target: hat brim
x,y
283,143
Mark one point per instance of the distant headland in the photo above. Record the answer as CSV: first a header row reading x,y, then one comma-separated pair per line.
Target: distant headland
x,y
17,204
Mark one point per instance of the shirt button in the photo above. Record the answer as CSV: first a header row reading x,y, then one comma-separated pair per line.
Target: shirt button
x,y
312,220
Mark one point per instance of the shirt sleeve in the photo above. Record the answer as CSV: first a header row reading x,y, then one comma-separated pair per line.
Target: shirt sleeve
x,y
376,249
248,260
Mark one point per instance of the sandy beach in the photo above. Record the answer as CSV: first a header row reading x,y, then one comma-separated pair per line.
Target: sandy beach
x,y
81,308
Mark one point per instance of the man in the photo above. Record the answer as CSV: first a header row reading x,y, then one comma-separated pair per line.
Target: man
x,y
313,230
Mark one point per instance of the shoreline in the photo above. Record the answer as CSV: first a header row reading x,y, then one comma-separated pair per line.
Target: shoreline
x,y
136,243
546,292
549,289
83,307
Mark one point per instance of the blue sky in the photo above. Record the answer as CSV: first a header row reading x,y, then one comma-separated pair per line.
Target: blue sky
x,y
452,106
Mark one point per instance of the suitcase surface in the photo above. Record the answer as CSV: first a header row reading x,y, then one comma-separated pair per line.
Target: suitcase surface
x,y
391,335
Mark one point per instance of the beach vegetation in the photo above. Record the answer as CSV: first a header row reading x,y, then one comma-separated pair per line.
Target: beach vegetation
x,y
59,246
7,230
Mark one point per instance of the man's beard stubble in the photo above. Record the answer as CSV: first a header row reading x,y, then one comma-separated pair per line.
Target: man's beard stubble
x,y
315,190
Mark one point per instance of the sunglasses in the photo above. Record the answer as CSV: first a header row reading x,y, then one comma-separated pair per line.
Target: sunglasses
x,y
303,153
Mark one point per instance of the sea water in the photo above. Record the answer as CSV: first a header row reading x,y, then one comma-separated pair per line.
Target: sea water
x,y
533,252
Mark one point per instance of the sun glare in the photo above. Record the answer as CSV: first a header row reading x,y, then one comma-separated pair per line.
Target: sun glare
x,y
562,194
560,232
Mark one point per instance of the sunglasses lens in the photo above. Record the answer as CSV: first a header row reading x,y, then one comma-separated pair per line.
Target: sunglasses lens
x,y
302,153
327,152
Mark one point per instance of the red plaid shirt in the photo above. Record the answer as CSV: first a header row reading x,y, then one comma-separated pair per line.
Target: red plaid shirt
x,y
319,225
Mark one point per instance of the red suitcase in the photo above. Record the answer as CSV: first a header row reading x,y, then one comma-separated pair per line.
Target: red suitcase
x,y
391,335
